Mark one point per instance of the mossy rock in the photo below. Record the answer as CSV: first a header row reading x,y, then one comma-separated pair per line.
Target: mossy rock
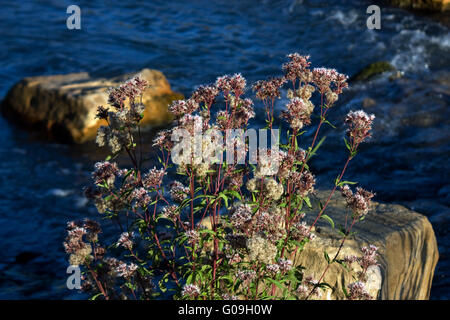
x,y
372,70
429,5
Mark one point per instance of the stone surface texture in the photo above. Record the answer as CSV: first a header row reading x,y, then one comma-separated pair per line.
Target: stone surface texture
x,y
408,251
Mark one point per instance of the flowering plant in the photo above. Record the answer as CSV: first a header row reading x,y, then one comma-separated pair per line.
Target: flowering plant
x,y
223,230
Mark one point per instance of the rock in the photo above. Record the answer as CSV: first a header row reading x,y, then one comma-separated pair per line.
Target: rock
x,y
65,105
408,251
432,5
372,70
407,248
368,103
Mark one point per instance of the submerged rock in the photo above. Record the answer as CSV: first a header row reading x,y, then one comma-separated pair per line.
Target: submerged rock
x,y
65,105
368,103
407,248
433,5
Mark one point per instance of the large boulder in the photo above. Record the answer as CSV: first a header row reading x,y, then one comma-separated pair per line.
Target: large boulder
x,y
408,251
433,5
65,105
406,243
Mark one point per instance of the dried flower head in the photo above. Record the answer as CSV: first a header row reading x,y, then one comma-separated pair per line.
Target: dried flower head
x,y
272,189
102,113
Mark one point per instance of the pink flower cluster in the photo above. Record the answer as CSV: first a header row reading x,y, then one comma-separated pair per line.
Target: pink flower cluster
x,y
153,178
178,191
190,290
303,182
358,202
130,89
269,89
105,172
359,125
298,113
126,240
369,257
231,84
141,197
327,80
163,140
296,67
206,94
181,107
358,291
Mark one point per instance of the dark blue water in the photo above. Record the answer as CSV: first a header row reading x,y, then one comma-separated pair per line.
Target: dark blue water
x,y
193,42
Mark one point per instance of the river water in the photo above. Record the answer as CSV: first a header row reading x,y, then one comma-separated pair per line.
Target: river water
x,y
193,42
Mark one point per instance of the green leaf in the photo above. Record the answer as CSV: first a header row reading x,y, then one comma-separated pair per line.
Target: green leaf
x,y
96,296
343,264
234,193
277,283
327,257
328,219
347,144
346,182
345,290
313,152
224,197
330,124
324,285
308,202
